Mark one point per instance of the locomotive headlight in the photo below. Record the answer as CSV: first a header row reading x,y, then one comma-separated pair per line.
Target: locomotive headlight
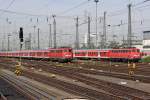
x,y
67,55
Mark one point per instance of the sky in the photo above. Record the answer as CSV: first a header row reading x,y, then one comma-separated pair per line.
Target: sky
x,y
27,12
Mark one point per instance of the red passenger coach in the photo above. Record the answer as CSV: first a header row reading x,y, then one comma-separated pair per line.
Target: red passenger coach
x,y
86,54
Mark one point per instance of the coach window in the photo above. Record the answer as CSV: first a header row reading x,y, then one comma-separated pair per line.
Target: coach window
x,y
65,50
133,50
122,51
45,53
104,53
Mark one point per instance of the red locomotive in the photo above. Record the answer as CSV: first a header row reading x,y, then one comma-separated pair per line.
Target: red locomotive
x,y
123,54
59,54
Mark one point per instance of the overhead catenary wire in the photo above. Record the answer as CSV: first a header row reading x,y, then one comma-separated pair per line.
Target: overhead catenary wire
x,y
33,15
70,9
19,13
123,11
140,3
11,3
118,12
142,6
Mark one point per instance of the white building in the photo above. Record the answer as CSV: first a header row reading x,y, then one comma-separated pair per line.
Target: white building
x,y
146,41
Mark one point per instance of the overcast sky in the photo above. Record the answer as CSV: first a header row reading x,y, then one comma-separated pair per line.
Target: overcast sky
x,y
66,11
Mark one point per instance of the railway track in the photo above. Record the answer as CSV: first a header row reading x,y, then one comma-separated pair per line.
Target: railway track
x,y
142,78
7,92
106,86
71,88
141,68
117,91
31,91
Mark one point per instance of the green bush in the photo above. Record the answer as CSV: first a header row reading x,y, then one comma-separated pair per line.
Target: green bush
x,y
146,59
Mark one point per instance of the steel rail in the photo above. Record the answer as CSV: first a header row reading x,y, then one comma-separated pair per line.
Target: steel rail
x,y
32,92
97,83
